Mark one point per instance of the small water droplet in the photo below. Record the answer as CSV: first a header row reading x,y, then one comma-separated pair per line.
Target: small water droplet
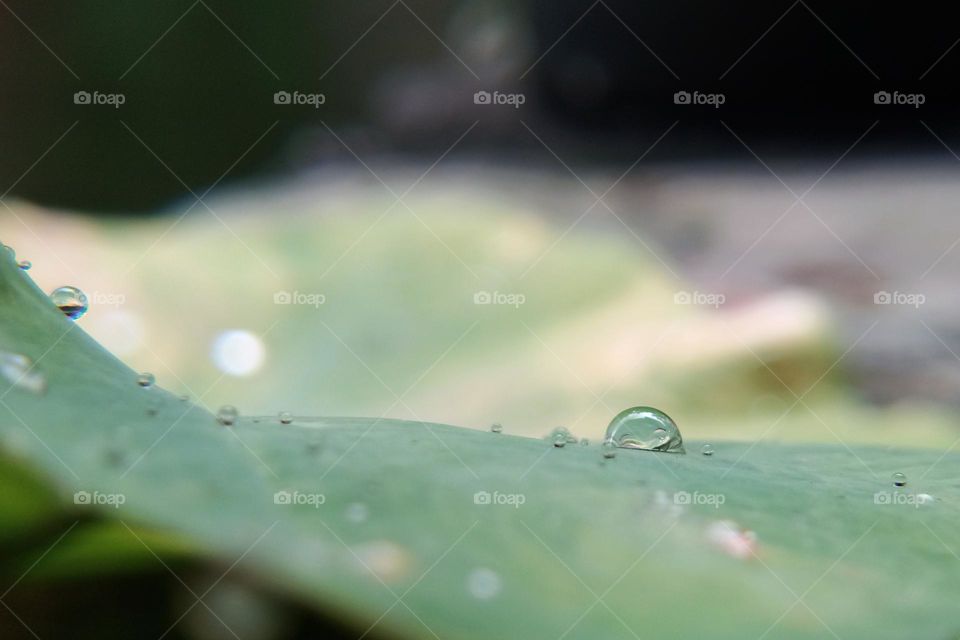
x,y
924,498
584,442
484,584
609,449
286,417
20,372
71,301
645,428
113,457
184,398
154,406
25,265
559,440
146,380
357,512
899,479
227,415
707,449
496,427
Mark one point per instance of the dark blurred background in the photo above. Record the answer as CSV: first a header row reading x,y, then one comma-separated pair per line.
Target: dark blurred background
x,y
198,80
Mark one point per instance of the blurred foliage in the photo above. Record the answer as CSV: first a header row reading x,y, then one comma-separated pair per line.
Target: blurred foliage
x,y
598,329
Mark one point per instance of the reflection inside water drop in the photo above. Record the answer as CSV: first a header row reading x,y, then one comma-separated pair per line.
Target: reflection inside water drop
x,y
645,428
71,301
227,415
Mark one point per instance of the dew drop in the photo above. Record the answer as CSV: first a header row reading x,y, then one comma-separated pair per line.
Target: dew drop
x,y
25,265
146,380
899,479
20,372
496,427
357,513
71,301
154,406
484,584
227,415
286,417
645,428
609,449
707,449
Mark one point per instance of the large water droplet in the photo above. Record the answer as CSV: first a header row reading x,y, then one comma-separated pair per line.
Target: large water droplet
x,y
20,372
71,301
484,583
146,380
645,428
227,415
899,479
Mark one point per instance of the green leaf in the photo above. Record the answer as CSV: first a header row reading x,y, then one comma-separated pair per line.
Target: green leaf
x,y
383,524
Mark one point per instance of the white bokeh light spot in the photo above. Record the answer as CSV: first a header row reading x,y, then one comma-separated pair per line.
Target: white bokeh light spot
x,y
238,352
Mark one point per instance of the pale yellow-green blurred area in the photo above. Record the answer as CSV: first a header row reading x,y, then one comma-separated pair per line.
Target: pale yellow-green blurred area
x,y
399,333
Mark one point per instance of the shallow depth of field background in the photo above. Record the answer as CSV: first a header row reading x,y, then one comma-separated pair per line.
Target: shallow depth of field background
x,y
781,266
